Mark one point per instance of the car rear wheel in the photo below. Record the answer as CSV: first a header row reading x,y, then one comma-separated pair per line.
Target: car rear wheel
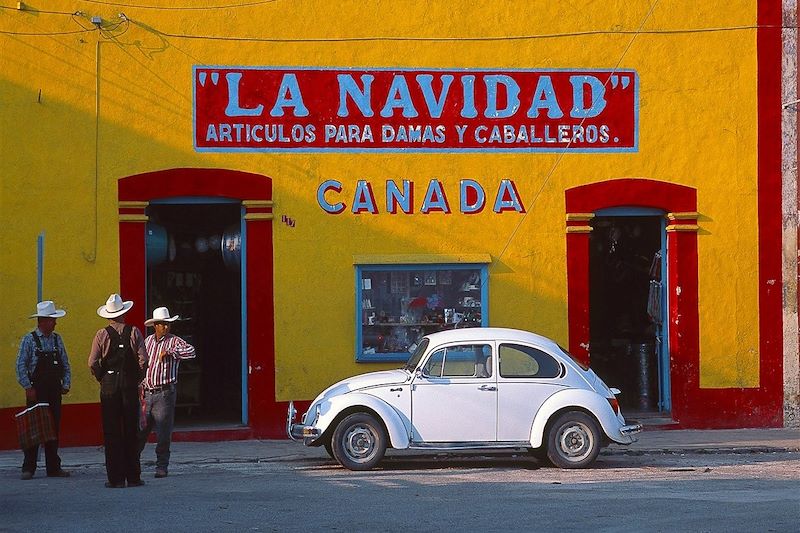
x,y
359,442
573,441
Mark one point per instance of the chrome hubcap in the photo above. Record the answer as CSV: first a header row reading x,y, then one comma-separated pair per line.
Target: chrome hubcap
x,y
359,442
575,441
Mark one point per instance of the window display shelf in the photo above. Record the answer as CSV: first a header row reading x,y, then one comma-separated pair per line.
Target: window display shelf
x,y
394,324
399,304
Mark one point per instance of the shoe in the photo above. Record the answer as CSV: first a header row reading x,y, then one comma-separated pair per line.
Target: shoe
x,y
59,473
160,472
136,483
110,485
26,476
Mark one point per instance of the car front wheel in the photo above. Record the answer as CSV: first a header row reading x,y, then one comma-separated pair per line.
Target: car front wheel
x,y
359,442
573,440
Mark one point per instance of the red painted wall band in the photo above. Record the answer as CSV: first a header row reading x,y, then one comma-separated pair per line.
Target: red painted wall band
x,y
770,229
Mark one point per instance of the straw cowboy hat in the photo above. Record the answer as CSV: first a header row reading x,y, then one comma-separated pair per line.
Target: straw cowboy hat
x,y
114,307
160,314
47,309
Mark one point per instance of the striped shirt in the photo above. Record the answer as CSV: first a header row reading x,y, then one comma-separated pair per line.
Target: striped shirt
x,y
27,359
164,372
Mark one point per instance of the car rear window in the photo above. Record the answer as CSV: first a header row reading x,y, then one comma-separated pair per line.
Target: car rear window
x,y
518,361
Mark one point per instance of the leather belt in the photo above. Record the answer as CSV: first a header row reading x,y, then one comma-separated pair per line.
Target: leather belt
x,y
160,388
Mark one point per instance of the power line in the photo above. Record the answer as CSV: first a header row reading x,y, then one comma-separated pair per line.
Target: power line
x,y
460,39
44,34
585,33
172,8
564,151
37,11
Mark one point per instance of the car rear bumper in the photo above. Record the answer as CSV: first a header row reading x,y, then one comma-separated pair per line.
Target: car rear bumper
x,y
631,429
625,433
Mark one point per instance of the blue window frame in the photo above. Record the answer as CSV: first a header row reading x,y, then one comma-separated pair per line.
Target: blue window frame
x,y
396,305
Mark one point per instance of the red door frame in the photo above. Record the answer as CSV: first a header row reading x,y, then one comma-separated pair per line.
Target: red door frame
x,y
692,406
265,416
680,202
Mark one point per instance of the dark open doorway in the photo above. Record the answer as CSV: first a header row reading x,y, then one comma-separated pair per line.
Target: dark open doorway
x,y
626,309
194,269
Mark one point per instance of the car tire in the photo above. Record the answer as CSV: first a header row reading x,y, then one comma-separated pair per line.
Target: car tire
x,y
359,442
573,441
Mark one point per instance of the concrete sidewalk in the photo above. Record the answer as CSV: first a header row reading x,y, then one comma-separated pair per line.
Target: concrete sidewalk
x,y
255,451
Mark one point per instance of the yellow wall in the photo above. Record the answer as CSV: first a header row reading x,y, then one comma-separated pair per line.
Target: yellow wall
x,y
62,152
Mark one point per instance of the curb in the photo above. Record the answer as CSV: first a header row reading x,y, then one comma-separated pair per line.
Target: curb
x,y
704,451
407,455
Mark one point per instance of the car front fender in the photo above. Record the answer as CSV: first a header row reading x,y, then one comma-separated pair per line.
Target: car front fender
x,y
331,408
578,399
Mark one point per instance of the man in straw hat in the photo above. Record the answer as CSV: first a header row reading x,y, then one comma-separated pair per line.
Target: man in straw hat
x,y
118,361
43,371
164,353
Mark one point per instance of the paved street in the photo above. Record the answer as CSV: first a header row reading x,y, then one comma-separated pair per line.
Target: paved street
x,y
282,486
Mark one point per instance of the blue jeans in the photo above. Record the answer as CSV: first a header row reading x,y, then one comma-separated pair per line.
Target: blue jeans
x,y
159,414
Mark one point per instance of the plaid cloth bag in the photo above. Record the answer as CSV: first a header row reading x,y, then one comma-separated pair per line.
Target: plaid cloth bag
x,y
35,425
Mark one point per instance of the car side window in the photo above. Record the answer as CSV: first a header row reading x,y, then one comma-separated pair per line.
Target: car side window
x,y
517,361
433,368
467,360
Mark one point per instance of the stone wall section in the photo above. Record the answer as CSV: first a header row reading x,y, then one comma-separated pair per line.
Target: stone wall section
x,y
791,251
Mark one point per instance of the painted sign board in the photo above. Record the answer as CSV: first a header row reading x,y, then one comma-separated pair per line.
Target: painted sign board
x,y
329,109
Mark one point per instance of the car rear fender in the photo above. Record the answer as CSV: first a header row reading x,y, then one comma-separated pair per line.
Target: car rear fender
x,y
577,400
357,401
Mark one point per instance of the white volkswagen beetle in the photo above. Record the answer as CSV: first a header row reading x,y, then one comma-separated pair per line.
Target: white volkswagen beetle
x,y
475,388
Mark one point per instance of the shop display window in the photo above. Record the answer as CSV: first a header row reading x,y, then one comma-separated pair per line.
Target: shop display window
x,y
399,304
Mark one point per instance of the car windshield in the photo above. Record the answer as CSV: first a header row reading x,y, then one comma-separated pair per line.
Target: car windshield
x,y
577,362
416,355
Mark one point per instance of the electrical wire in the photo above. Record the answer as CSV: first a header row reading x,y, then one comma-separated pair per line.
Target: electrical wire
x,y
173,8
586,33
462,39
563,152
37,11
44,34
79,21
78,18
430,39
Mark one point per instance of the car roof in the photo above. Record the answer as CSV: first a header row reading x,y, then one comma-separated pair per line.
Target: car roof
x,y
483,334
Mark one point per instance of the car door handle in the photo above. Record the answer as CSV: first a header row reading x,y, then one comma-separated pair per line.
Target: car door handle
x,y
487,387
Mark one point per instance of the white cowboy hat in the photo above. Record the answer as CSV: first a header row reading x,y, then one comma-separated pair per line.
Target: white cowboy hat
x,y
114,307
160,314
47,309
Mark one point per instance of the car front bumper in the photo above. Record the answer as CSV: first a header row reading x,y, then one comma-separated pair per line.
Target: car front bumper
x,y
299,432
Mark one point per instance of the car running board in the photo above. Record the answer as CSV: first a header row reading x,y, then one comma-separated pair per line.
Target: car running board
x,y
468,445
